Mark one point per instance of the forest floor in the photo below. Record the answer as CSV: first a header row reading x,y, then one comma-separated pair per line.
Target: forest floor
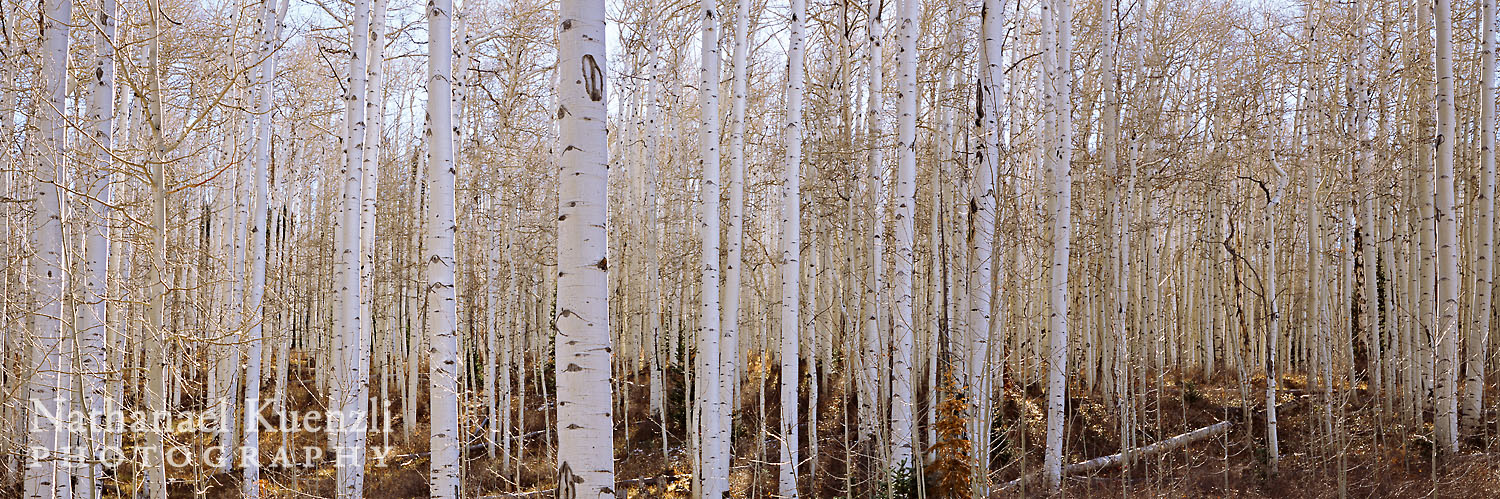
x,y
1379,458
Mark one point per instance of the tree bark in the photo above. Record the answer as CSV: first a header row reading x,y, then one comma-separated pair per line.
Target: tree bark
x,y
791,249
270,28
1445,419
442,327
734,233
585,464
904,231
93,329
47,472
1477,349
983,210
714,453
349,404
1059,156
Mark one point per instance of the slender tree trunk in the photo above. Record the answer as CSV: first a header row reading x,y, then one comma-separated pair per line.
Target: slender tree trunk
x,y
1060,157
734,233
1119,206
1477,348
791,249
1367,205
92,331
714,452
270,27
155,343
871,345
493,322
585,465
983,209
349,406
1425,335
1273,334
442,328
45,475
1445,419
374,107
905,230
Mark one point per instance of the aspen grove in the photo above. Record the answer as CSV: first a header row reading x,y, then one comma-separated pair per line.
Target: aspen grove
x,y
748,248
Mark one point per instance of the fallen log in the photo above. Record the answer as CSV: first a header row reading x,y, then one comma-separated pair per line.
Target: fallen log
x,y
1113,460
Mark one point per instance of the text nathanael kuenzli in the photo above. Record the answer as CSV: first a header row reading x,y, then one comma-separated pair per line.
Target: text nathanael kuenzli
x,y
93,426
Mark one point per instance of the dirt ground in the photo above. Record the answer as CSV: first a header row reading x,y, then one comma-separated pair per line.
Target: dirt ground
x,y
1379,456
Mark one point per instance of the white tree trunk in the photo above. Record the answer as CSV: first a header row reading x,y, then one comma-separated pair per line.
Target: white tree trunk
x,y
905,229
1367,207
92,330
509,342
585,464
714,452
155,341
49,385
1060,157
791,249
1425,335
734,233
493,322
1477,349
1273,334
374,105
270,26
349,406
871,344
442,327
654,302
982,227
232,290
1123,458
1118,200
1445,419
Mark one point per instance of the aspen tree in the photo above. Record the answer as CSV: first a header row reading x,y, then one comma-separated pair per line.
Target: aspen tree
x,y
1476,349
1426,334
871,343
417,328
47,473
714,454
1059,158
493,391
509,343
374,115
654,303
154,356
585,464
875,123
1367,200
349,405
808,342
905,232
441,319
270,27
935,304
11,347
118,311
1273,333
734,233
1119,219
982,288
1445,419
232,293
92,331
791,249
